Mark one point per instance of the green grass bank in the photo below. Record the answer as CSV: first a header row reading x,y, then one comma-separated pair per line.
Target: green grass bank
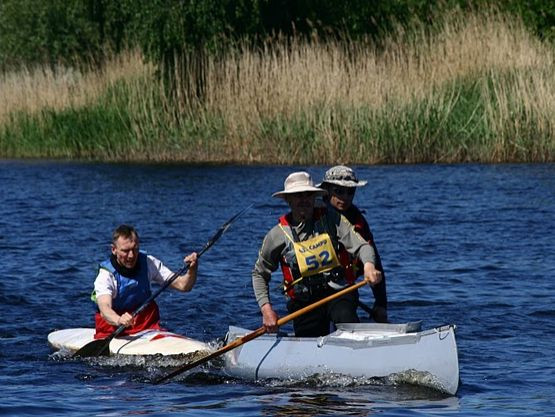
x,y
476,88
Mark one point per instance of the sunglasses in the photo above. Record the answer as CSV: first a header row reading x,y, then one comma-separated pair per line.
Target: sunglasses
x,y
343,191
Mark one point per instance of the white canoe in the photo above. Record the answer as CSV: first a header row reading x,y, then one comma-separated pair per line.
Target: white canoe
x,y
367,350
147,342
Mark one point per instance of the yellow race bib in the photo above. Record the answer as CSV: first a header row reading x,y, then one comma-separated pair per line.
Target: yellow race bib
x,y
315,255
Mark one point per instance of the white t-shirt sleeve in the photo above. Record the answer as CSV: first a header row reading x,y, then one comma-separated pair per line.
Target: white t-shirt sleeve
x,y
105,284
157,271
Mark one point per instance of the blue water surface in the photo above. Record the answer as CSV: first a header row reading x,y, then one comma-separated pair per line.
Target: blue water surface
x,y
470,245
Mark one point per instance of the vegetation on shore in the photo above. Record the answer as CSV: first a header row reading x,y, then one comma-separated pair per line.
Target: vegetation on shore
x,y
473,87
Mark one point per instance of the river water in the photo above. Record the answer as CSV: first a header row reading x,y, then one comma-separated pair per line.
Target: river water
x,y
470,245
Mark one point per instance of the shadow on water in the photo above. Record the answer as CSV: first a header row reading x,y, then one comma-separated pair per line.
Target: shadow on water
x,y
360,401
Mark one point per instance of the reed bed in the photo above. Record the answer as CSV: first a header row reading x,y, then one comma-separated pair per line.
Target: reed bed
x,y
477,87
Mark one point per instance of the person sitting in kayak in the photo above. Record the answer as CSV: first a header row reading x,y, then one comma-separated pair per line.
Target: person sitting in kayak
x,y
305,243
123,285
341,183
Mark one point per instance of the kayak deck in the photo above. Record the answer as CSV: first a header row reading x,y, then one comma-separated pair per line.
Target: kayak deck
x,y
146,342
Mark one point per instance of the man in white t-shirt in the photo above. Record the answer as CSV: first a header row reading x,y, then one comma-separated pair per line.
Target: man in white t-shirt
x,y
123,284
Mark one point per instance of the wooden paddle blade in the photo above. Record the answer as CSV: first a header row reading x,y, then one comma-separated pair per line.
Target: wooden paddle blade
x,y
99,347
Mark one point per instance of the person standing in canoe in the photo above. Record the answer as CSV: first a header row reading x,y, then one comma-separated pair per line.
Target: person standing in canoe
x,y
305,243
123,284
341,183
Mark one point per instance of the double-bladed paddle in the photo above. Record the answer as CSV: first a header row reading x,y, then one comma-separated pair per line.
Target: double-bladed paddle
x,y
258,332
100,347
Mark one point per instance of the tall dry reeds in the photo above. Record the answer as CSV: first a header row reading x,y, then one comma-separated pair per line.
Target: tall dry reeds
x,y
32,90
333,90
475,87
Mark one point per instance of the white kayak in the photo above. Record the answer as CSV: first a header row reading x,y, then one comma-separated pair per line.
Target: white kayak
x,y
367,350
146,342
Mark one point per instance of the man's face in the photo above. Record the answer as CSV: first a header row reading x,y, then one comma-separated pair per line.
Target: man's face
x,y
302,205
341,197
126,251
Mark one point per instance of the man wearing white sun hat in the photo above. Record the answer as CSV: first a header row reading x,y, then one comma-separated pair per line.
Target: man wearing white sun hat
x,y
305,243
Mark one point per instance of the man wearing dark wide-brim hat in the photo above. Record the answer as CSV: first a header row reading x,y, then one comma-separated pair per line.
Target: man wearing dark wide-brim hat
x,y
304,244
341,183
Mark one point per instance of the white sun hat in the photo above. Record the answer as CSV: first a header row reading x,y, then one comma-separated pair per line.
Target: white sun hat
x,y
298,182
343,176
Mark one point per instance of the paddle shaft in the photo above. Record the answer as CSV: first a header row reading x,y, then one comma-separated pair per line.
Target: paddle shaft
x,y
100,346
366,308
258,332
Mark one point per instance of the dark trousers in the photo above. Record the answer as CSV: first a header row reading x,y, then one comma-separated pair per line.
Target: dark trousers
x,y
317,322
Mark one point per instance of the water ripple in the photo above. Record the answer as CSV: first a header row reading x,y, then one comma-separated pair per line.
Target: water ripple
x,y
468,244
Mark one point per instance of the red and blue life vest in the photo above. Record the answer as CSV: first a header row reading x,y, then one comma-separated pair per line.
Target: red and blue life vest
x,y
132,293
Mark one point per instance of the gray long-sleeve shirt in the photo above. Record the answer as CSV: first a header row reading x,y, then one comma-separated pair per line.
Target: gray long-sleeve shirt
x,y
275,246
